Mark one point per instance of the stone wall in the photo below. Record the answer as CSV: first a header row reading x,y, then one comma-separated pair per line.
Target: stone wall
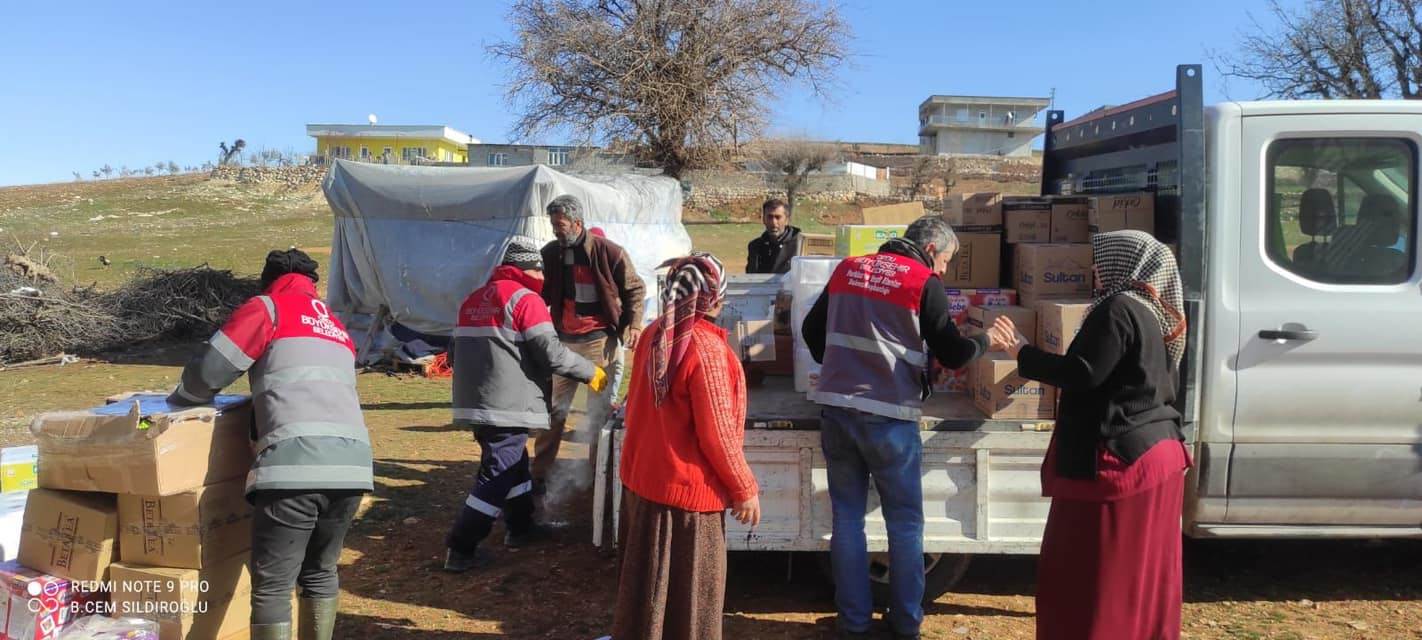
x,y
716,189
294,176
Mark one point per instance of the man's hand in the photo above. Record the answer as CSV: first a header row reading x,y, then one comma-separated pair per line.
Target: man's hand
x,y
1003,336
747,512
633,335
599,380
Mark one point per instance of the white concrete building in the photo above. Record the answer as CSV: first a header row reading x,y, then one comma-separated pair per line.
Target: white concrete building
x,y
979,125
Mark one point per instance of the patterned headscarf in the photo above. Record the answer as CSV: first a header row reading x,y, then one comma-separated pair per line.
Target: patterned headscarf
x,y
1135,264
695,284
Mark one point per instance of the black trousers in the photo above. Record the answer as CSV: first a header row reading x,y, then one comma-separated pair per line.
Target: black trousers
x,y
297,538
503,485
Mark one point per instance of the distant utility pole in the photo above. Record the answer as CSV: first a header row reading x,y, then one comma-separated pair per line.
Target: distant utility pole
x,y
1052,99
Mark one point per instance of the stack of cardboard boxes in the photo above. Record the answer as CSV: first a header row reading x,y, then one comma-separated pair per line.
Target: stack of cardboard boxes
x,y
144,507
1025,257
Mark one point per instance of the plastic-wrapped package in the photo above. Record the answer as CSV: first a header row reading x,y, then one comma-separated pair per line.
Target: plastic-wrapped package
x,y
102,628
808,277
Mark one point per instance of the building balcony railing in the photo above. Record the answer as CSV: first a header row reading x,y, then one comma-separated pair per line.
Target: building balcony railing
x,y
991,122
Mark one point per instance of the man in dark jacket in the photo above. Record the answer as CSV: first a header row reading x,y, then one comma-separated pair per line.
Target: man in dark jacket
x,y
313,456
595,296
868,328
505,353
772,251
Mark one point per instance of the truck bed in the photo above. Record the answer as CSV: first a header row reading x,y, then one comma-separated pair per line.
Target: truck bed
x,y
776,405
981,489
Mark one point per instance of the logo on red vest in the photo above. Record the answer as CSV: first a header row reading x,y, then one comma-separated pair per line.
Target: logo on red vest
x,y
323,324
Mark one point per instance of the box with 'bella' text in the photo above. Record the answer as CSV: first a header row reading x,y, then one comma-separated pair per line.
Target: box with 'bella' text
x,y
69,534
190,530
978,262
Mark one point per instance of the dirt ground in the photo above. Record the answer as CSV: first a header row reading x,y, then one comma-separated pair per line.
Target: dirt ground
x,y
565,590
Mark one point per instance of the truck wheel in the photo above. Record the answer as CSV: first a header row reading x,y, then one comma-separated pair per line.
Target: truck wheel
x,y
941,572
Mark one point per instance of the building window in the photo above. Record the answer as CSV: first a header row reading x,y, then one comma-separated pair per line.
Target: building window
x,y
1343,209
410,154
387,154
557,157
498,159
364,152
1012,134
340,152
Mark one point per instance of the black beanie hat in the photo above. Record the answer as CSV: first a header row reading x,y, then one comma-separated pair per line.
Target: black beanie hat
x,y
280,263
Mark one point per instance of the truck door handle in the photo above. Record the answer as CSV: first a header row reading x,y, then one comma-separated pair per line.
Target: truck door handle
x,y
1291,335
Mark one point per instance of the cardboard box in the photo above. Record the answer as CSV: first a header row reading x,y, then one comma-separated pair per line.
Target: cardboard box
x,y
189,530
19,468
36,606
816,244
904,213
952,209
959,300
1046,271
978,263
863,240
981,212
752,340
1000,393
1122,211
146,454
1058,322
1027,220
69,534
945,380
188,604
981,318
1070,219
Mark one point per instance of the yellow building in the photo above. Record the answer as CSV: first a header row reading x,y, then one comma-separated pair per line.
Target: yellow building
x,y
392,143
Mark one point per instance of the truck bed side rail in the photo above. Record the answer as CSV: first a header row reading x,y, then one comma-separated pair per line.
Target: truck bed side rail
x,y
1154,144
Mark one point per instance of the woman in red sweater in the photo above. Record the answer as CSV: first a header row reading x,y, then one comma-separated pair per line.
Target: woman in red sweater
x,y
682,464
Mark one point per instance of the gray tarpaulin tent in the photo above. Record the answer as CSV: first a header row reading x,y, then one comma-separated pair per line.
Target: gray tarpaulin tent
x,y
416,240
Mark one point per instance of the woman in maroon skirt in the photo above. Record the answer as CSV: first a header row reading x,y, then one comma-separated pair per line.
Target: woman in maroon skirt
x,y
1110,565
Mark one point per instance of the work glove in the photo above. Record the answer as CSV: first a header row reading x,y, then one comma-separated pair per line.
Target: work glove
x,y
599,380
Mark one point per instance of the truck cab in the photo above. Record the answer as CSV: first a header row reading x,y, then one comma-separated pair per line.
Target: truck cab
x,y
1297,229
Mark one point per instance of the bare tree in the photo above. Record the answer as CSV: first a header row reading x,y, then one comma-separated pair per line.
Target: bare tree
x,y
173,168
234,151
96,174
927,172
685,79
792,161
78,177
106,170
1333,49
148,171
124,172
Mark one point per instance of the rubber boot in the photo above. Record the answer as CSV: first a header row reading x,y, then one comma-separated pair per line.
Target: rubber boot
x,y
318,618
279,631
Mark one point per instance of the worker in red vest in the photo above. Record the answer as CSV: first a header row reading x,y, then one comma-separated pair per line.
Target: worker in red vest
x,y
313,455
869,329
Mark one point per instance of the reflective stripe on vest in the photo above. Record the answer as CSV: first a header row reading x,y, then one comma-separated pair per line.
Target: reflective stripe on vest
x,y
493,417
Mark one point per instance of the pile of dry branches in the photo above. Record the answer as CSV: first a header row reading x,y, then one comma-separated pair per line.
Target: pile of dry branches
x,y
38,319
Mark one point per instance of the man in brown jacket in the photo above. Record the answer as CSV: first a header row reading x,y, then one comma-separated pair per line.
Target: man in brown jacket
x,y
596,299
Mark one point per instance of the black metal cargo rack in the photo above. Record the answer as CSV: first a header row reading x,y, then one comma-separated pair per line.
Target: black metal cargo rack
x,y
1156,144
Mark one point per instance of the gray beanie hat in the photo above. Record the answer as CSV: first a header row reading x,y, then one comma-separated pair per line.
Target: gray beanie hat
x,y
523,253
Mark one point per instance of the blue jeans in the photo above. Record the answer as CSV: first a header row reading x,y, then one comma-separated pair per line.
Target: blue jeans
x,y
858,446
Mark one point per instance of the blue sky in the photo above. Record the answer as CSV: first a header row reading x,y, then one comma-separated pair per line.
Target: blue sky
x,y
132,83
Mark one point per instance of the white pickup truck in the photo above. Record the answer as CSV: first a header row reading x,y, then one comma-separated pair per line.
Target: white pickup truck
x,y
1297,228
